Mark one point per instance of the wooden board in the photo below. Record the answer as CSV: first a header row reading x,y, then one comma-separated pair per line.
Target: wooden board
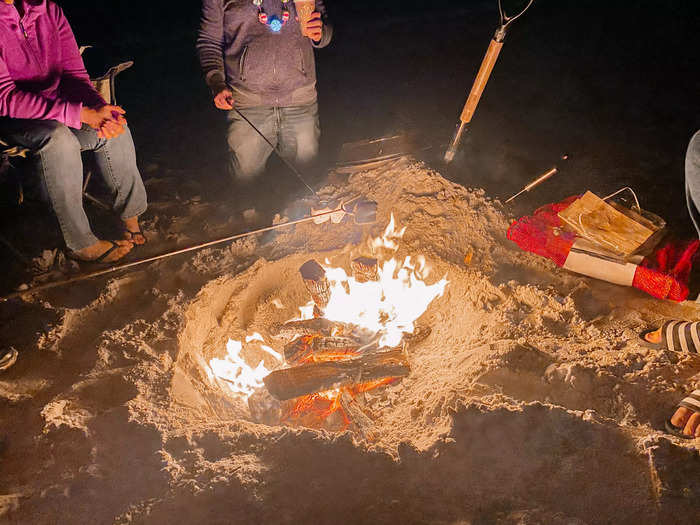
x,y
594,219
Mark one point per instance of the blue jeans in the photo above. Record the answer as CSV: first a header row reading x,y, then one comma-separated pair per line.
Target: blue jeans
x,y
294,130
692,179
56,154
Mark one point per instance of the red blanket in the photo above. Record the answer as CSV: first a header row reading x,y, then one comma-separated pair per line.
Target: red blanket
x,y
664,274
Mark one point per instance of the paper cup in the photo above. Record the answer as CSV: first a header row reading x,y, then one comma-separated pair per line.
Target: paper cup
x,y
304,9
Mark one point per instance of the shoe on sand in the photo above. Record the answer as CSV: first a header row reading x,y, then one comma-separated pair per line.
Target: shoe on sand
x,y
676,336
8,358
692,403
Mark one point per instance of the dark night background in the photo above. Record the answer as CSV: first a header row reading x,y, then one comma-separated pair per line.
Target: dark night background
x,y
614,84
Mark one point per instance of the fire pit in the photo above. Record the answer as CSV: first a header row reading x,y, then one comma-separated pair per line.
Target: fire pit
x,y
353,336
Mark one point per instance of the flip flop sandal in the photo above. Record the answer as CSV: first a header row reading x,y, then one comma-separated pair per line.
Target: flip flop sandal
x,y
676,336
98,260
692,402
132,234
8,359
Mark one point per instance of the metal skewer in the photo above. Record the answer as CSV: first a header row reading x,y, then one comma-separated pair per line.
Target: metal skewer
x,y
539,180
364,212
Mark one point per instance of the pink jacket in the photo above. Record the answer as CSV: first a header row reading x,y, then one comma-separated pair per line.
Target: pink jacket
x,y
42,75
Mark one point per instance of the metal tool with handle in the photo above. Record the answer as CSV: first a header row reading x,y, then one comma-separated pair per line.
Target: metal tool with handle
x,y
482,78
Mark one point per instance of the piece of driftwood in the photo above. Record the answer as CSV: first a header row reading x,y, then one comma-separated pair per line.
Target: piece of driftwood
x,y
317,284
594,219
309,378
365,269
319,347
361,422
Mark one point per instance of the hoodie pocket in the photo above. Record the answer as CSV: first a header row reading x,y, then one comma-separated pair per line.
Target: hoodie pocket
x,y
302,62
241,63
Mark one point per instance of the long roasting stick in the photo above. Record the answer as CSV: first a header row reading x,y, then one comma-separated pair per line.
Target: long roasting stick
x,y
482,78
362,216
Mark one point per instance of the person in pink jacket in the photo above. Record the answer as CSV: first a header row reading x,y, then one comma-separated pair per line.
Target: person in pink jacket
x,y
49,106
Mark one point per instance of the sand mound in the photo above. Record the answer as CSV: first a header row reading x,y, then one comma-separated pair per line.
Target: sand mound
x,y
530,402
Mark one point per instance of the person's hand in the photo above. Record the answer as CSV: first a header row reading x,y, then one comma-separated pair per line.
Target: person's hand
x,y
107,120
224,99
314,27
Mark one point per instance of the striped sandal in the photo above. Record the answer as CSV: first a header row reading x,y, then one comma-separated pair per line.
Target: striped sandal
x,y
692,403
676,336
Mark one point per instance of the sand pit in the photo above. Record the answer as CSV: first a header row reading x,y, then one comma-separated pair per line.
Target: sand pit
x,y
531,401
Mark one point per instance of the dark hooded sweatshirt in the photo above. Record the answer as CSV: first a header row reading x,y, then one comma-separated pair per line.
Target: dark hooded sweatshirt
x,y
261,67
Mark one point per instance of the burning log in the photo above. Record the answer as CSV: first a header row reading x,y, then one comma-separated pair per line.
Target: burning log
x,y
365,269
317,284
294,329
321,327
319,347
309,378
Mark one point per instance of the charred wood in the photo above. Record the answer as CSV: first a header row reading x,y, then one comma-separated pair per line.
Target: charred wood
x,y
365,269
319,347
317,284
309,378
359,419
294,329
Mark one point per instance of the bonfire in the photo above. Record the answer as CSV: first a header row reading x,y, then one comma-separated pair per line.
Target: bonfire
x,y
352,336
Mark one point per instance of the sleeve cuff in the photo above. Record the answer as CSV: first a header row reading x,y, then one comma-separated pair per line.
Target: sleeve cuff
x,y
325,38
73,110
216,81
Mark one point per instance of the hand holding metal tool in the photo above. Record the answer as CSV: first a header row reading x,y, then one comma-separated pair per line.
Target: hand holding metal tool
x,y
482,78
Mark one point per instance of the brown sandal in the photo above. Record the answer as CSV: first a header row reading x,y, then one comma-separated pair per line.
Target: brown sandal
x,y
97,260
130,236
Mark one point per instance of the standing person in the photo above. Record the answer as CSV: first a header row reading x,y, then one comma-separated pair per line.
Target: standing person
x,y
255,58
49,106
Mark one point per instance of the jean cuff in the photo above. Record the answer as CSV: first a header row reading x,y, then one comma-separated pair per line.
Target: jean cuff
x,y
84,242
139,210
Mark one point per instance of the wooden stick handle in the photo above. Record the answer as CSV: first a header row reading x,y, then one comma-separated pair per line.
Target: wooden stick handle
x,y
481,79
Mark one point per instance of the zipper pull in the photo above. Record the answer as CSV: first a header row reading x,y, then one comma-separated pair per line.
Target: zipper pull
x,y
24,31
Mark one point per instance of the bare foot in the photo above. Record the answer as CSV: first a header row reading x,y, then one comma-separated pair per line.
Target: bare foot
x,y
654,337
132,231
688,420
94,252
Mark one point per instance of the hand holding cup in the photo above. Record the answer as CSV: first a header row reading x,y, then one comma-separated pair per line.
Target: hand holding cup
x,y
309,19
314,27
